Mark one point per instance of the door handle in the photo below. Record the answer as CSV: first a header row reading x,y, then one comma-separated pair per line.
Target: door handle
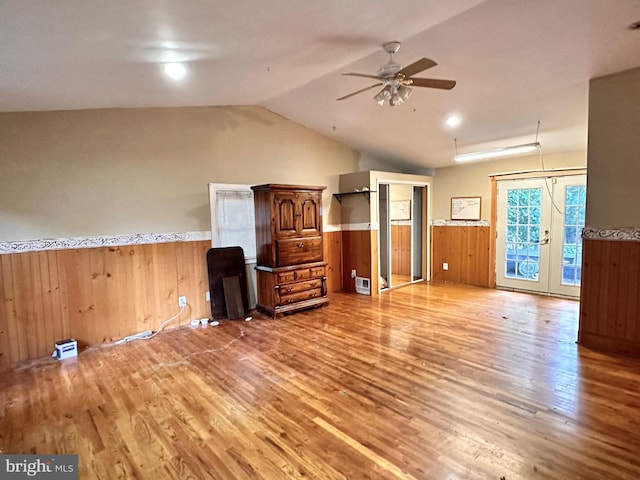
x,y
545,239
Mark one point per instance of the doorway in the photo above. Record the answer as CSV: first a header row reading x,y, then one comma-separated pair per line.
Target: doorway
x,y
402,234
539,234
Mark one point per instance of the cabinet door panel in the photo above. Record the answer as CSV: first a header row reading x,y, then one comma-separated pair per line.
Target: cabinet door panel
x,y
310,214
285,214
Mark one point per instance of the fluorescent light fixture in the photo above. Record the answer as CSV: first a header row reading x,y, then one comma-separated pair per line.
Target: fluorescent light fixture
x,y
497,152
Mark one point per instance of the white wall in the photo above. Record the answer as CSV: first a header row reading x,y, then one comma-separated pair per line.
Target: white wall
x,y
472,180
613,179
121,171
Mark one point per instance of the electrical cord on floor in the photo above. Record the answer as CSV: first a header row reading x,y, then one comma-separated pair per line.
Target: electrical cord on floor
x,y
165,323
226,345
132,338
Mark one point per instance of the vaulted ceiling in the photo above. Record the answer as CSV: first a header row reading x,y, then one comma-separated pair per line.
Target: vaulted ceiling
x,y
516,63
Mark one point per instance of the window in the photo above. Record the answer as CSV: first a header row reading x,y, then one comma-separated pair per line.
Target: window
x,y
232,218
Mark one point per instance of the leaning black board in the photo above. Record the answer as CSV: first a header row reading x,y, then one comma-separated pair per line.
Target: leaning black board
x,y
233,297
221,263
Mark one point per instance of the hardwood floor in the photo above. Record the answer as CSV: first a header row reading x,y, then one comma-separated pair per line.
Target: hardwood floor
x,y
423,382
397,280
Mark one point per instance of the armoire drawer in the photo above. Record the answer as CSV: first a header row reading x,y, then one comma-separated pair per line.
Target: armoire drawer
x,y
290,288
298,250
300,296
300,274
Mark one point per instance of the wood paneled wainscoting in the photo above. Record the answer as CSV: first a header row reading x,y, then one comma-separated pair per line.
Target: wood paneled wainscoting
x,y
360,253
96,295
102,294
610,292
332,247
468,252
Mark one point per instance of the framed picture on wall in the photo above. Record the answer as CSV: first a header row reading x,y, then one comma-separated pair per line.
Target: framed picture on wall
x,y
400,210
465,208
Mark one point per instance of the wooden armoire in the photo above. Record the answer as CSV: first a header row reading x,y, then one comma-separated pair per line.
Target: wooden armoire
x,y
290,271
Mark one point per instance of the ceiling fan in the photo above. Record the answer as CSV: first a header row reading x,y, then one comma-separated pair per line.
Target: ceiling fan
x,y
396,79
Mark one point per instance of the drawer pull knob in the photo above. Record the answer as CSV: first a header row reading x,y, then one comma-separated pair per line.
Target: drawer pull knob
x,y
300,245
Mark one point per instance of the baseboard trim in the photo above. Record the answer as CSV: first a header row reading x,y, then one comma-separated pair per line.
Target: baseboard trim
x,y
608,344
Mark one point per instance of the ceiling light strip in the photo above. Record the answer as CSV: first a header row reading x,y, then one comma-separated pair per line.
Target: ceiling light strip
x,y
497,153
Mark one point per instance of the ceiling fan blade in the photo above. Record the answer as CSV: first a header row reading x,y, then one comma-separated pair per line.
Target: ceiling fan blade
x,y
362,75
360,91
433,83
417,67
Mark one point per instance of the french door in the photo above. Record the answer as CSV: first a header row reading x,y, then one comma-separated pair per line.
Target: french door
x,y
539,234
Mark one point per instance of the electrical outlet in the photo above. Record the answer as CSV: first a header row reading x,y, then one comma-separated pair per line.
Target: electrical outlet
x,y
445,266
207,296
353,274
182,301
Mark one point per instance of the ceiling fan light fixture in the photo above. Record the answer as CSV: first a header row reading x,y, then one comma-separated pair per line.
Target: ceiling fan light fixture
x,y
399,95
383,95
396,79
404,92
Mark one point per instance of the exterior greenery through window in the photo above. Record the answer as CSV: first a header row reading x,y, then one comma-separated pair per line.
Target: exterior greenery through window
x,y
523,233
574,213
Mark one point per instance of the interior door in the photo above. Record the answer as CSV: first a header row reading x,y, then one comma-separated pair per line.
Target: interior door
x,y
384,233
402,234
539,228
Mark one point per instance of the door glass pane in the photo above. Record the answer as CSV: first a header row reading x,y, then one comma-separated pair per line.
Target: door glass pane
x,y
575,197
522,232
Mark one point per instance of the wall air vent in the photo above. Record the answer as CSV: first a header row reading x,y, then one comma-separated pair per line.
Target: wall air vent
x,y
363,286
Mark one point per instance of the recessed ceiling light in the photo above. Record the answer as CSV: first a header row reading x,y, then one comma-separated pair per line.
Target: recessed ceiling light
x,y
175,71
453,120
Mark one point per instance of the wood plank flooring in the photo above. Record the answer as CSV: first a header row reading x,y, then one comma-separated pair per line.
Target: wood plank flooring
x,y
424,382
